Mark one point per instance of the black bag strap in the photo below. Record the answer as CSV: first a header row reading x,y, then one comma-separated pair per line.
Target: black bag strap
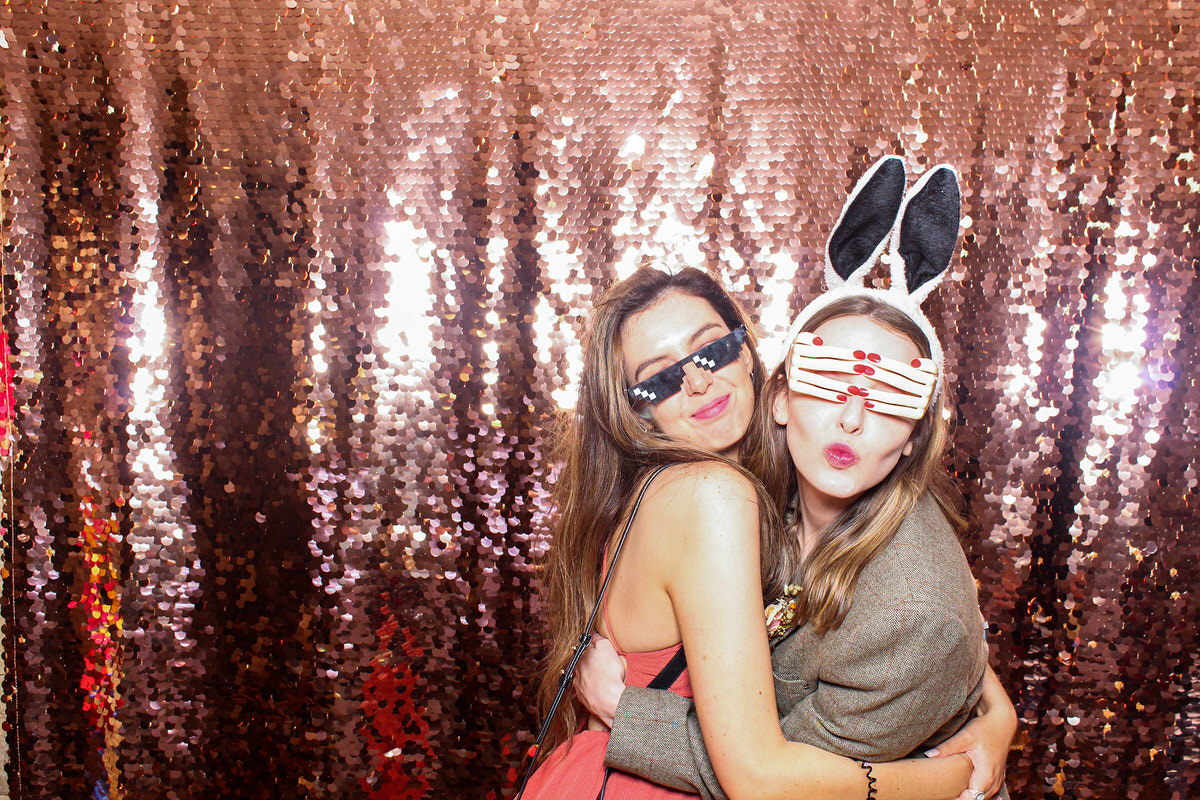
x,y
585,640
670,672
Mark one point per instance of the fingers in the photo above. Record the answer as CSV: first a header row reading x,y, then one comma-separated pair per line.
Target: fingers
x,y
980,776
600,679
977,794
984,773
960,742
988,777
997,782
603,646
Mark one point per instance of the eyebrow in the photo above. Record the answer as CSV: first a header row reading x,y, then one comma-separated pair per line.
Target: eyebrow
x,y
703,330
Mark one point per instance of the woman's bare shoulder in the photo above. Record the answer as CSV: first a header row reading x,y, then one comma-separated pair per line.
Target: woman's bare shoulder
x,y
700,499
703,480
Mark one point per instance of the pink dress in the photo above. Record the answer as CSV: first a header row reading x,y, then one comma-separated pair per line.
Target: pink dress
x,y
575,770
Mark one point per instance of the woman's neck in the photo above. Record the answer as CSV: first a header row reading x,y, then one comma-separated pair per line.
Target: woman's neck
x,y
817,512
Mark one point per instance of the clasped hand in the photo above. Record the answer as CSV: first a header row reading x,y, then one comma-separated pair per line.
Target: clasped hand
x,y
599,681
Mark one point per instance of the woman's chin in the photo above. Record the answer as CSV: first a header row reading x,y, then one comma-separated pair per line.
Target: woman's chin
x,y
709,439
726,439
835,492
726,445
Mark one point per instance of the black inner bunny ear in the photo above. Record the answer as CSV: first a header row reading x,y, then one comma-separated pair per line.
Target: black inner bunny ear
x,y
929,230
867,218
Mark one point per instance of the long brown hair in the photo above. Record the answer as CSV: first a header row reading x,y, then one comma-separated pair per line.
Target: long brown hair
x,y
605,452
830,571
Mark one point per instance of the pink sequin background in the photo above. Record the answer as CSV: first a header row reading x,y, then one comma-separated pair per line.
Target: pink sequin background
x,y
292,292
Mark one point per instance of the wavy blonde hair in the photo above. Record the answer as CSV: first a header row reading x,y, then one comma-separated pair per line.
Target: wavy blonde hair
x,y
605,452
830,572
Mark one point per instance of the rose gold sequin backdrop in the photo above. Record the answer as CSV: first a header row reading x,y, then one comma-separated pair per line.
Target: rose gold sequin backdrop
x,y
293,289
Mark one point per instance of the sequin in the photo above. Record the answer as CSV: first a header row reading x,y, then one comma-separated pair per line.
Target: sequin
x,y
293,291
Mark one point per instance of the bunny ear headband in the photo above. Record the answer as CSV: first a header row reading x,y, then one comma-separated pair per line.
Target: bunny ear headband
x,y
922,246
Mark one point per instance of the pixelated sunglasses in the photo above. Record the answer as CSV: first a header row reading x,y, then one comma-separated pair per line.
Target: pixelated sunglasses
x,y
666,382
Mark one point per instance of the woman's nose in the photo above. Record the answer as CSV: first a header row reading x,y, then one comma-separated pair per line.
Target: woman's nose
x,y
696,379
853,411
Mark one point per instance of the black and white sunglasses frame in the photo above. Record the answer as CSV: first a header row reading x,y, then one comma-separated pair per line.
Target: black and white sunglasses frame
x,y
668,381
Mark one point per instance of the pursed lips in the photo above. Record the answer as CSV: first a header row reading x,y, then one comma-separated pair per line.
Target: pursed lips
x,y
841,456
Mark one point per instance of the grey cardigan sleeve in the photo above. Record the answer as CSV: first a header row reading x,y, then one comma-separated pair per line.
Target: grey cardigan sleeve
x,y
656,735
900,679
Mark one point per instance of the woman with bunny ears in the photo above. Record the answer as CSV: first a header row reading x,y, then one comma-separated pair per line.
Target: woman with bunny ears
x,y
878,647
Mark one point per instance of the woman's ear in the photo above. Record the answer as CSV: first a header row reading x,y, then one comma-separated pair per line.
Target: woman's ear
x,y
907,447
779,403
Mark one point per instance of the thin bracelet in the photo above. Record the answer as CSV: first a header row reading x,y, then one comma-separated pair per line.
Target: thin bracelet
x,y
870,780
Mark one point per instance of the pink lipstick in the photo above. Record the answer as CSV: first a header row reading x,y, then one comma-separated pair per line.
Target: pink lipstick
x,y
840,456
713,409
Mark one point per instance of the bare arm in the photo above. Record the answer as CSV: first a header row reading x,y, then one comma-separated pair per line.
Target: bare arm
x,y
709,566
669,720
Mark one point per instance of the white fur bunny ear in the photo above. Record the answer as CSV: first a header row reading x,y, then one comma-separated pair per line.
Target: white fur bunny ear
x,y
926,238
867,217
